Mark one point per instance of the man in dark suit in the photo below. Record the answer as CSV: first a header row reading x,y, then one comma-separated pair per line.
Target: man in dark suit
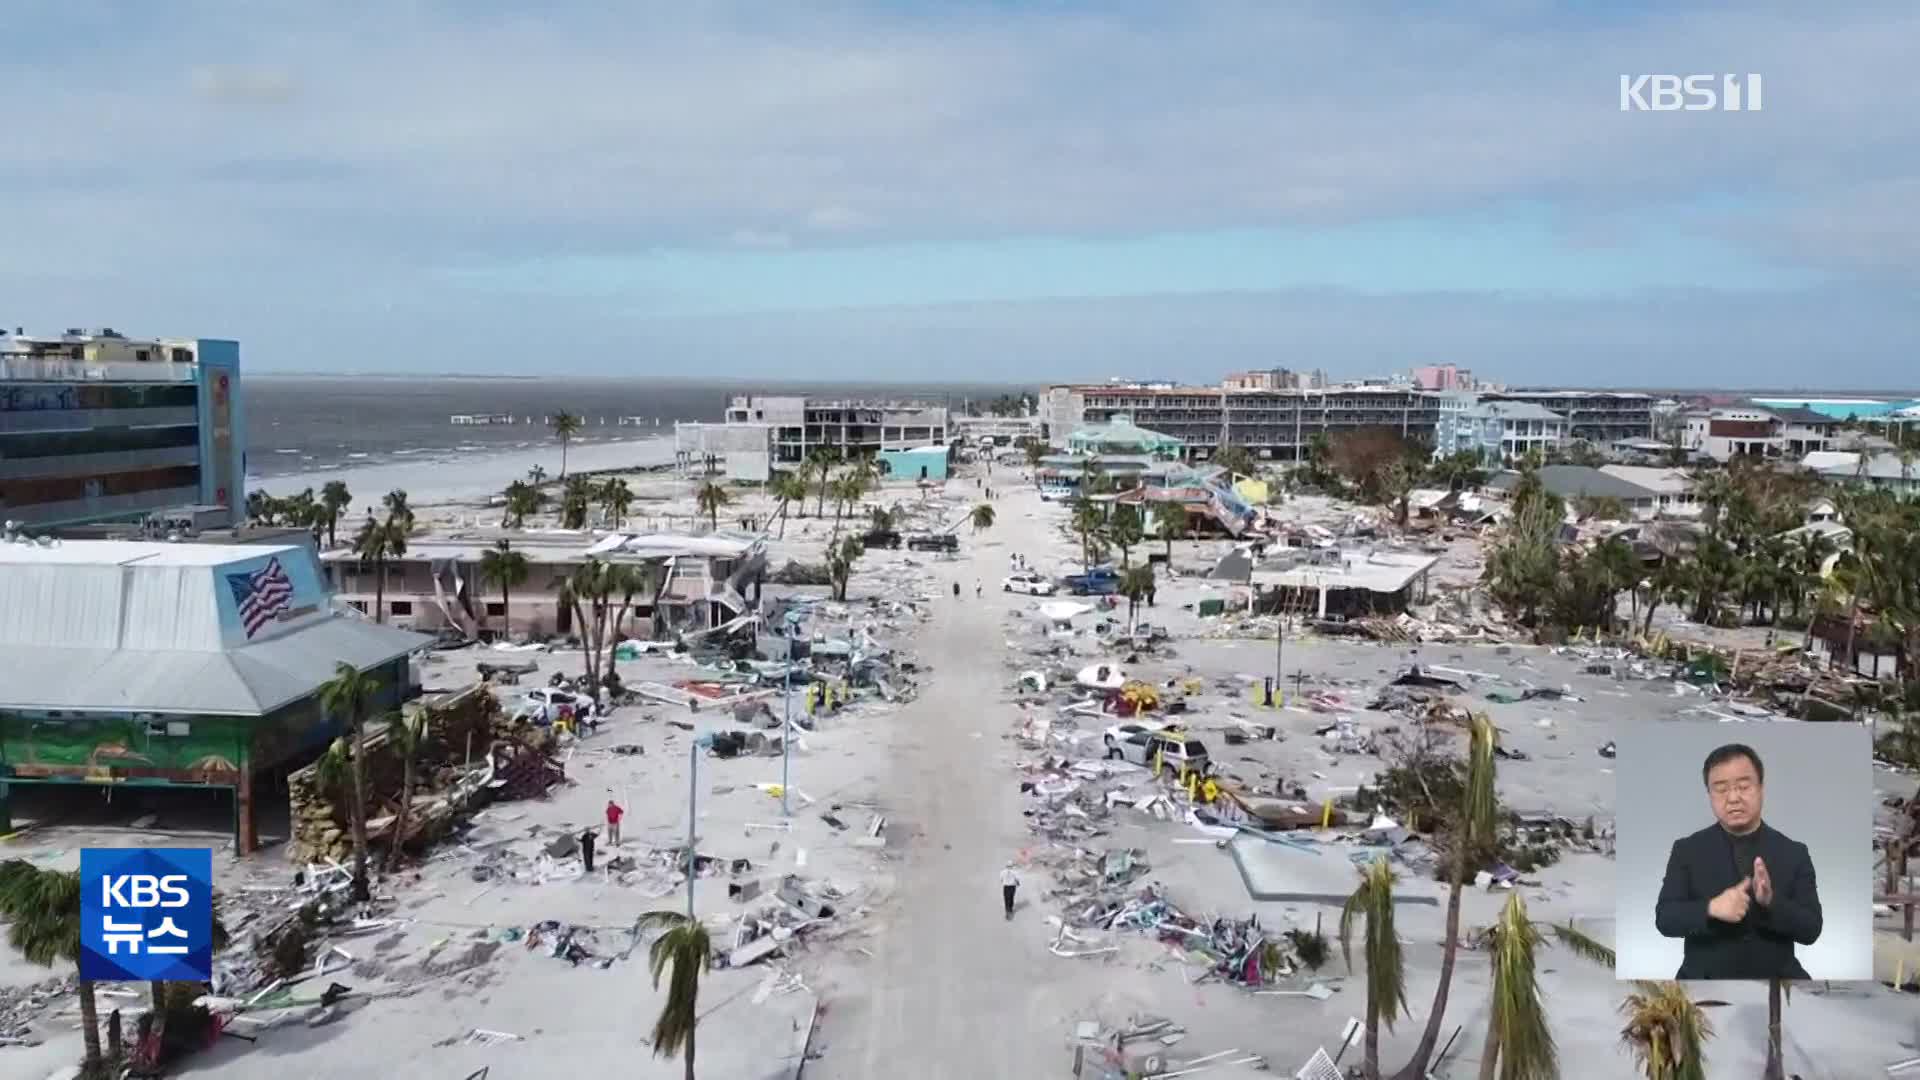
x,y
1741,893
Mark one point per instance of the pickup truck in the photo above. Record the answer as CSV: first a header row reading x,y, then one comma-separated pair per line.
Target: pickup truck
x,y
880,538
1099,581
933,542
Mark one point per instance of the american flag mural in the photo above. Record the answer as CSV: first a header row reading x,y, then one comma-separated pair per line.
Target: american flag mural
x,y
261,595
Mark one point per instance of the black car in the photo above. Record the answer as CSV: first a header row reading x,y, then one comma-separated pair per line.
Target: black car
x,y
881,538
933,542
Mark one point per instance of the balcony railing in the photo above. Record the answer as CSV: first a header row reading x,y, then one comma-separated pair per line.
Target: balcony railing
x,y
66,369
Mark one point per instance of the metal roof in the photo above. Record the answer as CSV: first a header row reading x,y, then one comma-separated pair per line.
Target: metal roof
x,y
1514,410
1572,481
104,625
132,552
250,681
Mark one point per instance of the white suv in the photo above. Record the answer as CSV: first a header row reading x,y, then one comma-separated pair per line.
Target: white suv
x,y
1026,581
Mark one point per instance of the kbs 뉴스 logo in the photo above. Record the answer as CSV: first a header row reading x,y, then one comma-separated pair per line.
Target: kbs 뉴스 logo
x,y
146,914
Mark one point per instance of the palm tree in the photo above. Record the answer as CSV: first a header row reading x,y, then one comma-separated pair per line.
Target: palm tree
x,y
615,498
981,517
1397,482
1668,584
1169,521
1667,1031
848,487
686,948
536,474
1459,470
840,559
1236,460
820,460
1518,1038
260,507
506,568
1470,833
42,912
395,502
1035,452
1386,976
1619,571
403,734
1124,531
1135,584
348,695
710,499
790,489
376,542
576,502
1088,522
334,497
522,499
565,427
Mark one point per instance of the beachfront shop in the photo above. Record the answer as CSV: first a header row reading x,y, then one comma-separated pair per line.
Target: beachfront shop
x,y
153,665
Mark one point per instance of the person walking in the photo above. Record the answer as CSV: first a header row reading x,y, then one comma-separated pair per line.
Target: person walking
x,y
614,813
956,590
586,849
976,588
1009,884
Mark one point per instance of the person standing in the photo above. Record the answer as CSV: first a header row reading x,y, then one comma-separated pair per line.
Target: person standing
x,y
586,849
1009,884
614,813
976,588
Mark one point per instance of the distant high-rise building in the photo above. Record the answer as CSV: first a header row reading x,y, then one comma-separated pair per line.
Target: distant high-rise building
x,y
97,426
1275,379
1443,377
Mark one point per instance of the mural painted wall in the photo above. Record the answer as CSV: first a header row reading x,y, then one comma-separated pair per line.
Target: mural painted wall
x,y
266,596
103,748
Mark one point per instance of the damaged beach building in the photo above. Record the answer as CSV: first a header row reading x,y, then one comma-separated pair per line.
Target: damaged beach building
x,y
1332,582
133,664
439,584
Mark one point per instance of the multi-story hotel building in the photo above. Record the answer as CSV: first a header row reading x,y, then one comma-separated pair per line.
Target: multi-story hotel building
x,y
1601,417
101,427
1273,424
802,424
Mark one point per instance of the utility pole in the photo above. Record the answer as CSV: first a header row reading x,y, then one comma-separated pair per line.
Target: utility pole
x,y
693,773
786,737
1280,651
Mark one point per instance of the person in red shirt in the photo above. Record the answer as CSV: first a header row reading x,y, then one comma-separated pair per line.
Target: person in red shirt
x,y
614,814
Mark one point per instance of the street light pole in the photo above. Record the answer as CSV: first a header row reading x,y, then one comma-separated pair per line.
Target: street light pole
x,y
693,772
786,741
1280,653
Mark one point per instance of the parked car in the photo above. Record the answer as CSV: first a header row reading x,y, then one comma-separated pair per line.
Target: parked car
x,y
881,538
933,542
1171,749
1099,581
1119,733
1026,581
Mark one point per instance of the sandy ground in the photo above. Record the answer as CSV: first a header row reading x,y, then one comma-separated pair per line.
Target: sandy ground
x,y
919,970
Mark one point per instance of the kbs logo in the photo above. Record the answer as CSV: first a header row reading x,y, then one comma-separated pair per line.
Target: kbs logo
x,y
1689,93
146,914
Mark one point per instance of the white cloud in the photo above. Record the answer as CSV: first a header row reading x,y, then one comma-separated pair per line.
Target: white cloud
x,y
243,86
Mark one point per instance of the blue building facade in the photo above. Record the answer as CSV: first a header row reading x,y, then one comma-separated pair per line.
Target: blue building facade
x,y
100,427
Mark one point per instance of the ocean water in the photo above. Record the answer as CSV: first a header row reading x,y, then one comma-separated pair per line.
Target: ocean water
x,y
307,424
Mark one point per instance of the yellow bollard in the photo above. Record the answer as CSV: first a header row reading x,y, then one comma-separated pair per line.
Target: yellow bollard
x,y
1326,814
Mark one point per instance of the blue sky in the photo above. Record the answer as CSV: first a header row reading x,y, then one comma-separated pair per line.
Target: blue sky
x,y
1026,191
